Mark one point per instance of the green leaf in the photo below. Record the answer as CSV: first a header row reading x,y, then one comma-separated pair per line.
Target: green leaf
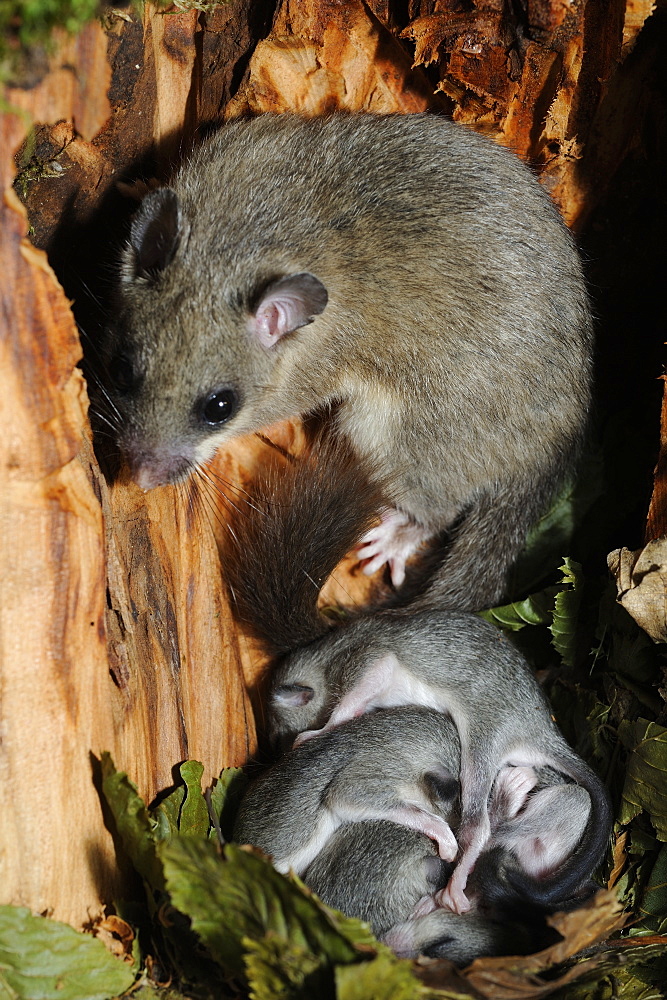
x,y
537,609
384,977
566,612
642,850
626,986
632,656
164,993
557,607
167,814
138,831
42,959
641,840
194,819
242,896
621,985
277,970
646,775
225,796
555,532
6,992
653,905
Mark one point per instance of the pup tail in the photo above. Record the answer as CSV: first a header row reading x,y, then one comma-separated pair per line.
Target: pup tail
x,y
300,522
461,938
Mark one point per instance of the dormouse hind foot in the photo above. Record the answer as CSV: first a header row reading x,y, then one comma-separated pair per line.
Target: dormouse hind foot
x,y
392,541
453,898
306,735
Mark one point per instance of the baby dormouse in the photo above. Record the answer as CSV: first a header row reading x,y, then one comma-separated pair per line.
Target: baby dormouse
x,y
385,873
546,827
381,872
398,765
459,664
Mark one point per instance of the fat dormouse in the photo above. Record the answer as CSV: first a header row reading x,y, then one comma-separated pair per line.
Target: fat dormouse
x,y
402,267
388,874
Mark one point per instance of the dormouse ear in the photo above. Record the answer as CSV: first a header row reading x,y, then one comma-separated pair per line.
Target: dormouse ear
x,y
154,236
293,695
286,305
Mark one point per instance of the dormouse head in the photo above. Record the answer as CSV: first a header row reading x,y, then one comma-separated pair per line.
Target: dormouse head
x,y
299,700
198,333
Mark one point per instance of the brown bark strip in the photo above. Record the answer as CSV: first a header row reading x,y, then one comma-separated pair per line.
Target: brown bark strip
x,y
656,521
76,87
153,672
56,854
323,56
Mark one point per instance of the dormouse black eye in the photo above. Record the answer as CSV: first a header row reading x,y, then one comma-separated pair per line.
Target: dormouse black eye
x,y
123,374
218,407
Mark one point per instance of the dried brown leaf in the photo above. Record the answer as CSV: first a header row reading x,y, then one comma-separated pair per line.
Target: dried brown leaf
x,y
513,978
582,928
619,857
116,935
641,580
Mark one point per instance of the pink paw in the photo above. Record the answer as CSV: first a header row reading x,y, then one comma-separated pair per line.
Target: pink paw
x,y
447,845
392,541
514,785
453,898
308,734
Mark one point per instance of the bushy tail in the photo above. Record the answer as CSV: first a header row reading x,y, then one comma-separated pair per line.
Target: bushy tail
x,y
301,521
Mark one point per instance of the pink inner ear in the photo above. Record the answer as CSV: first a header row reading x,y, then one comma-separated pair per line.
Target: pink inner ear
x,y
277,314
287,304
269,323
294,698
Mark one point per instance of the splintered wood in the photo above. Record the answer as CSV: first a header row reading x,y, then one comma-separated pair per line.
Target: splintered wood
x,y
115,628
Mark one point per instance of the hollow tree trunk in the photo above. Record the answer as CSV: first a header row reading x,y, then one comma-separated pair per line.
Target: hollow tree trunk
x,y
115,630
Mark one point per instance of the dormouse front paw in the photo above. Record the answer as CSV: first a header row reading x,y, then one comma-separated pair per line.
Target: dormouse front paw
x,y
392,541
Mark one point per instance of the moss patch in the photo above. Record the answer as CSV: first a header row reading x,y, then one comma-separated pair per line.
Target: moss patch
x,y
25,32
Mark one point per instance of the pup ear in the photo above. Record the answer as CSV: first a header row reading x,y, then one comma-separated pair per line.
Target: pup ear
x,y
285,305
293,695
155,233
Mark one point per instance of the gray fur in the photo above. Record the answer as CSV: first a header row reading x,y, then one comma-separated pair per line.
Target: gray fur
x,y
388,875
546,830
400,765
459,664
378,872
444,308
460,938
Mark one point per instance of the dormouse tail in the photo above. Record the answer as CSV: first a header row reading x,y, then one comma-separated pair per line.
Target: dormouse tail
x,y
571,883
302,520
